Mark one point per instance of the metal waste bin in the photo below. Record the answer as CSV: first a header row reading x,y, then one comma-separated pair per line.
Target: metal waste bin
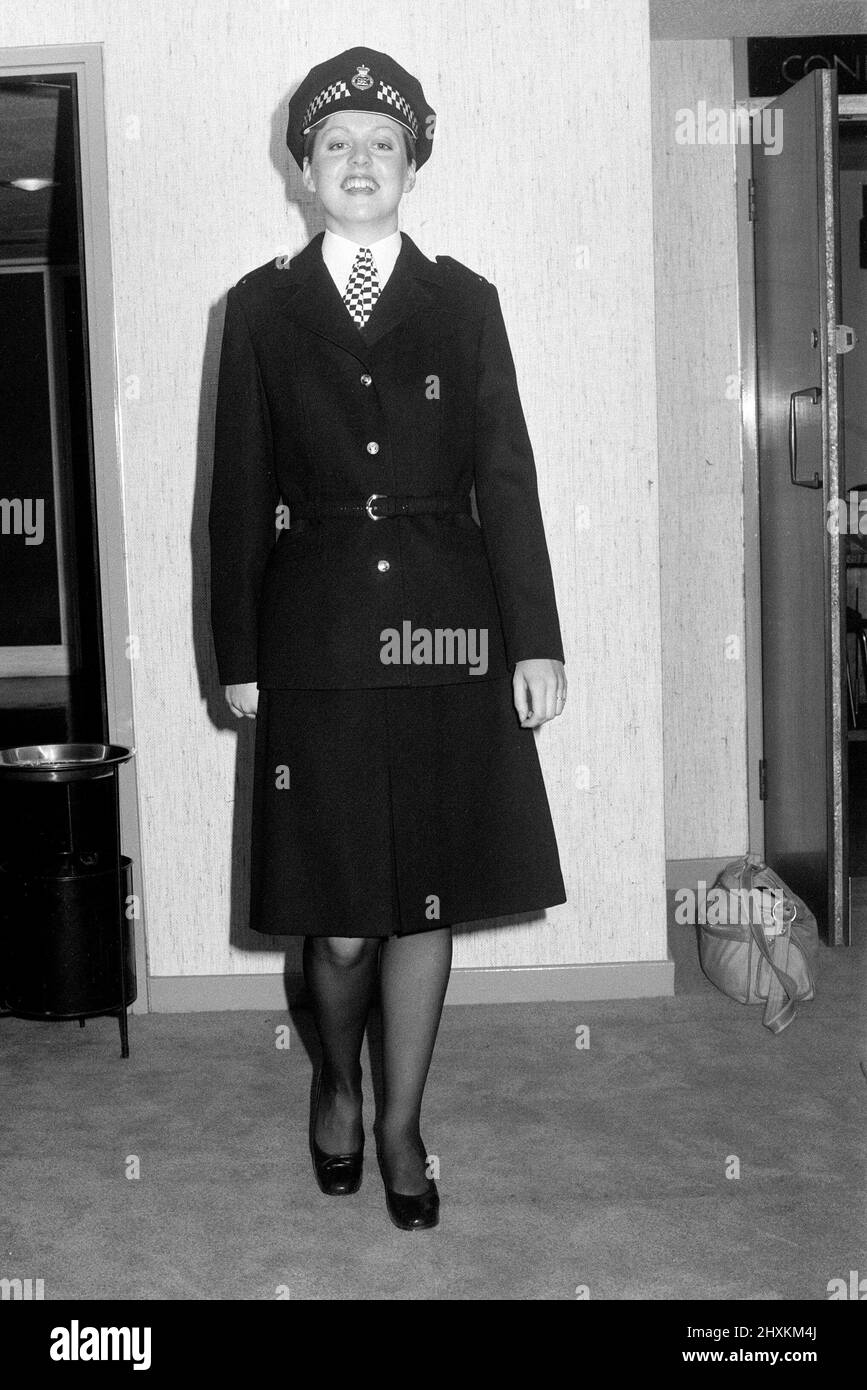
x,y
66,940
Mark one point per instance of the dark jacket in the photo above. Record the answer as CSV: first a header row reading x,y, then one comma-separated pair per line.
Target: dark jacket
x,y
429,384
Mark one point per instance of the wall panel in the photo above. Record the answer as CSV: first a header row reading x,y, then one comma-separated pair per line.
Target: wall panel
x,y
540,179
700,472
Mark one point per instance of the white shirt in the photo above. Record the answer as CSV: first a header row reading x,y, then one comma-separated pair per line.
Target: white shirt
x,y
339,253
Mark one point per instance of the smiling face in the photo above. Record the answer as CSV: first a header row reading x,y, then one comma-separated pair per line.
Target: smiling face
x,y
359,172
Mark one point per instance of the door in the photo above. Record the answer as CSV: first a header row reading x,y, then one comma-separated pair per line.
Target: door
x,y
65,667
800,455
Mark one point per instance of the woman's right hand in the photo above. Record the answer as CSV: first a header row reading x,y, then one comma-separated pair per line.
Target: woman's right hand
x,y
243,699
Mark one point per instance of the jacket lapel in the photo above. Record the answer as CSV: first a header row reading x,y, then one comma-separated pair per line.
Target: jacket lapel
x,y
313,300
412,285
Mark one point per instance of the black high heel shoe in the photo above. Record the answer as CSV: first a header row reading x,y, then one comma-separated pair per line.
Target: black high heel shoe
x,y
338,1175
409,1211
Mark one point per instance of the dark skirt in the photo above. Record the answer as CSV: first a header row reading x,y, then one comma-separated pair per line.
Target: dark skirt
x,y
385,812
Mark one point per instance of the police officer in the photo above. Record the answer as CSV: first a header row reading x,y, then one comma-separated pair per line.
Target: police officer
x,y
396,653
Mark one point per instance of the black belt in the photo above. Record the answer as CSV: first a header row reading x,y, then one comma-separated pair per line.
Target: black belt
x,y
378,506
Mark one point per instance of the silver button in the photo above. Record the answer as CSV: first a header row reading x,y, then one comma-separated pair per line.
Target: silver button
x,y
373,447
366,379
382,566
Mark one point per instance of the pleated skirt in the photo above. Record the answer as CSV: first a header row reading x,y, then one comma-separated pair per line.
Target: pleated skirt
x,y
398,810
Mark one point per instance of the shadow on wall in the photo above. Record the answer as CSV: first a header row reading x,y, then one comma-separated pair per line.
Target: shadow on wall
x,y
240,935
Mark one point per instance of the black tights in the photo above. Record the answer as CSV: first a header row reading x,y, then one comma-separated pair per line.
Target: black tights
x,y
341,975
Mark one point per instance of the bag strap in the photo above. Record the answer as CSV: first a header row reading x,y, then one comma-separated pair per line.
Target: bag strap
x,y
782,989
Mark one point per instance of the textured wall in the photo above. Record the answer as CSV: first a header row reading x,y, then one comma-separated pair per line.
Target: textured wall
x,y
700,468
723,19
541,179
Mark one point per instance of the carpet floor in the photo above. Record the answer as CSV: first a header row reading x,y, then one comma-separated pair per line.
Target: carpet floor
x,y
685,1153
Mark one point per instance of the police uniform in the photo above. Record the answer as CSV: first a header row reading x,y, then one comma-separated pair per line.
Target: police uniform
x,y
394,788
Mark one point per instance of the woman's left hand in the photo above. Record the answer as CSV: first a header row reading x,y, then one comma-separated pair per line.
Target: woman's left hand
x,y
539,687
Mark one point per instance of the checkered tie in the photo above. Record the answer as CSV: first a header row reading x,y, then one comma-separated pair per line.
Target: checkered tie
x,y
362,291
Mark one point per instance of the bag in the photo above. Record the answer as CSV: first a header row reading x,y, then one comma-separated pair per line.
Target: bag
x,y
765,948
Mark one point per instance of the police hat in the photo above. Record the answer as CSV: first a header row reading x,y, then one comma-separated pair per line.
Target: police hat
x,y
360,80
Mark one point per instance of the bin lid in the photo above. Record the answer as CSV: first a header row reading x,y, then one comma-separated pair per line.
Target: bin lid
x,y
62,762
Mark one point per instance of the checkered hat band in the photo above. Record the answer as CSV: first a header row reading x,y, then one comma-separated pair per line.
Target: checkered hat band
x,y
333,92
390,94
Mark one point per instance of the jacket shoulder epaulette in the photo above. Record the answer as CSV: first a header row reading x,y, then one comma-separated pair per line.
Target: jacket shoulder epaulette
x,y
469,290
461,273
259,276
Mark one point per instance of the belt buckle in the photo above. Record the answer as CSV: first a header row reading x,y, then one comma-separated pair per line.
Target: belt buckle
x,y
372,498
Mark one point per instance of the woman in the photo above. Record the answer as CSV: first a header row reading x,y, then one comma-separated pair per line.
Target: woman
x,y
396,656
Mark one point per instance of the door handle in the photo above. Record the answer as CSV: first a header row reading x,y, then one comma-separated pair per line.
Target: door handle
x,y
815,395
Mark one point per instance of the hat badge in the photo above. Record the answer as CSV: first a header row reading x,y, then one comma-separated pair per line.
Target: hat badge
x,y
362,79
